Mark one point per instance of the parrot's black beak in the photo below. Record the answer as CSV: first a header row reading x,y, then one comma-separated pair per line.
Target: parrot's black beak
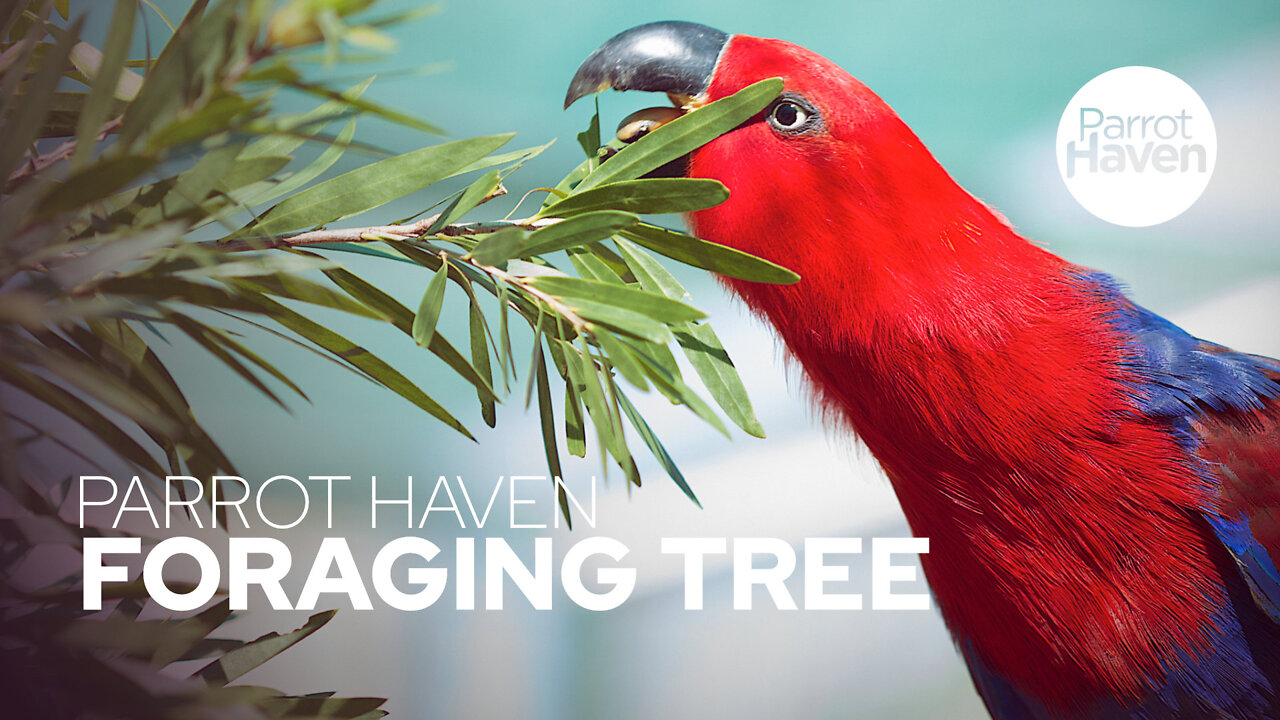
x,y
676,58
673,57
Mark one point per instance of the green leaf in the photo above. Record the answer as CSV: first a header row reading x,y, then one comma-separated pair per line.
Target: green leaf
x,y
361,358
373,185
683,135
655,446
621,358
182,636
498,247
207,339
250,655
223,112
293,130
194,185
373,108
576,231
294,287
701,345
709,256
674,389
94,183
99,102
315,169
651,196
656,306
25,118
575,434
591,267
480,360
471,197
610,433
82,413
156,289
113,255
589,139
246,265
424,322
569,182
620,319
399,315
249,170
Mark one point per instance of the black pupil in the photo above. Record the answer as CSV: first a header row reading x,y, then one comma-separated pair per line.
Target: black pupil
x,y
787,114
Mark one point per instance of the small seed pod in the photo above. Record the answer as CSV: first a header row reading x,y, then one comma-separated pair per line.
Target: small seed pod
x,y
642,122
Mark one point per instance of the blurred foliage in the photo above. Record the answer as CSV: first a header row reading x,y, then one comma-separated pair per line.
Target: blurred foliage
x,y
163,195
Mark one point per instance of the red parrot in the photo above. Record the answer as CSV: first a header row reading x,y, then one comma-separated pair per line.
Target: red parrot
x,y
1101,489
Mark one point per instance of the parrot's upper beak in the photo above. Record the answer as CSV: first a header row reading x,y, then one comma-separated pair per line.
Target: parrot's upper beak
x,y
677,58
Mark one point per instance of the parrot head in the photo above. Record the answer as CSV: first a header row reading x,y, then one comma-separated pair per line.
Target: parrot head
x,y
828,155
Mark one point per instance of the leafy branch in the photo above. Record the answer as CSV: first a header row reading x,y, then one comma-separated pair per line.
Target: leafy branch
x,y
164,195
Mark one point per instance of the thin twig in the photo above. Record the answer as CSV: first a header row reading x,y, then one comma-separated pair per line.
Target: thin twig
x,y
373,233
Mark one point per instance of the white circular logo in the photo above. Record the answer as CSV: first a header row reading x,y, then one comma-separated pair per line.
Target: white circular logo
x,y
1136,146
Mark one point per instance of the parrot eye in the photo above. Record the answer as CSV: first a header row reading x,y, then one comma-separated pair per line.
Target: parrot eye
x,y
791,116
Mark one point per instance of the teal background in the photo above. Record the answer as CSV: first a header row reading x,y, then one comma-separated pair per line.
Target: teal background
x,y
983,84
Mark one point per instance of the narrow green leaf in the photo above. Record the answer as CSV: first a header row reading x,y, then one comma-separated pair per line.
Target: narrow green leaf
x,y
315,169
498,247
480,360
655,446
399,315
25,118
193,186
206,339
522,155
466,202
300,126
505,359
100,101
621,320
225,111
106,388
92,184
258,265
249,170
652,195
619,355
674,389
597,407
361,358
591,267
569,182
156,289
656,306
576,231
250,655
709,256
107,431
373,185
589,139
684,134
424,322
700,344
373,108
294,287
548,422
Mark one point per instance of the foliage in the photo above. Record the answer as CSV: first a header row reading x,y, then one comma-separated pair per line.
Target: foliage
x,y
163,195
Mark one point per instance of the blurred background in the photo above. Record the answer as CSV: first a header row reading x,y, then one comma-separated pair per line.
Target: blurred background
x,y
983,84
